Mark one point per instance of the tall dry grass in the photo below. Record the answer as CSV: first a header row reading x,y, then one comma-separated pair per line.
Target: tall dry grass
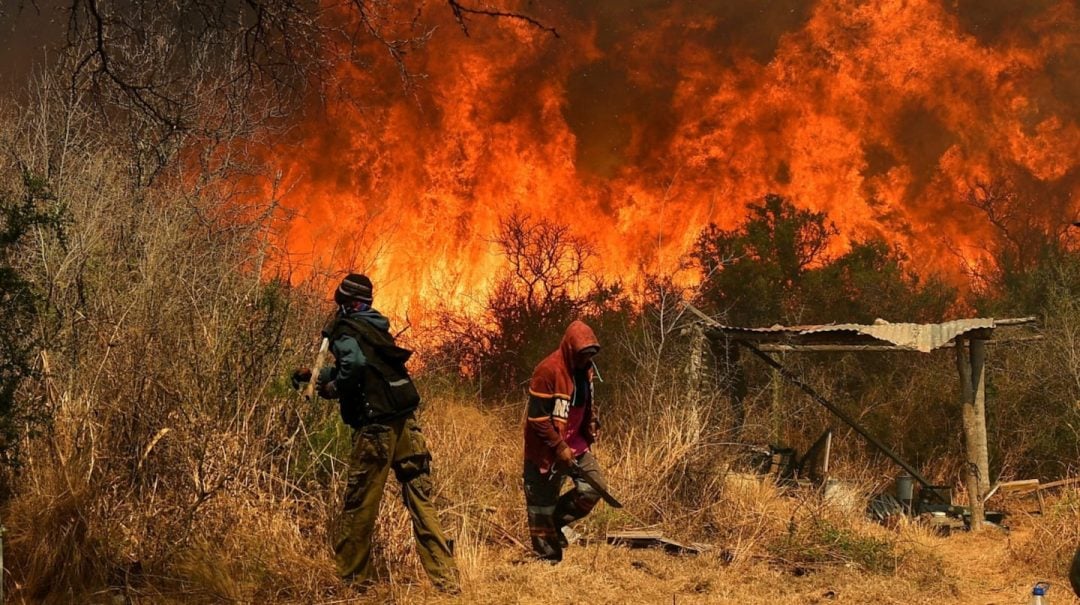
x,y
1054,534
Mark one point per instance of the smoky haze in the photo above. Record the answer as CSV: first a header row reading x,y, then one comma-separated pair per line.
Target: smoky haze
x,y
29,33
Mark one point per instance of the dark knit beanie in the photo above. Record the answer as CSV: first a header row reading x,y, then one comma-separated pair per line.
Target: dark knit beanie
x,y
354,288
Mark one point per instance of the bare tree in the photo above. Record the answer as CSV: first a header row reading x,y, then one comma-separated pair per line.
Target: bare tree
x,y
546,283
545,259
165,71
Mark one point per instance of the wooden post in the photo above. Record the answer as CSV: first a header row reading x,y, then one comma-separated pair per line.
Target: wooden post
x,y
978,377
737,384
974,424
696,362
732,380
777,404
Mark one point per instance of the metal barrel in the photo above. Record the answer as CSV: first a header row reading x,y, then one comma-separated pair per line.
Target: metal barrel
x,y
905,488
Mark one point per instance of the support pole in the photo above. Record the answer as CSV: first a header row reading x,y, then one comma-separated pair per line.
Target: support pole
x,y
978,375
981,458
694,368
970,363
841,414
737,383
776,409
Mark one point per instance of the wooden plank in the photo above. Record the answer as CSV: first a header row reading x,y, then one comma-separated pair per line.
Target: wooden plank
x,y
1060,483
1016,321
1018,487
708,320
635,535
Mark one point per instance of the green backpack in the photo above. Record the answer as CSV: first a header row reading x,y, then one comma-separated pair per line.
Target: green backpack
x,y
388,389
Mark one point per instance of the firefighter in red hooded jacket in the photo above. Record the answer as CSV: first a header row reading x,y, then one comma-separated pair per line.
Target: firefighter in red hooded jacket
x,y
561,425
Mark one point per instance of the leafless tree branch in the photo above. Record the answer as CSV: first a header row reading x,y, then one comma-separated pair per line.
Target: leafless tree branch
x,y
461,11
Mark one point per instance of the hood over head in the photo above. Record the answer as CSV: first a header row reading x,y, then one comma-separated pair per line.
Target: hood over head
x,y
578,336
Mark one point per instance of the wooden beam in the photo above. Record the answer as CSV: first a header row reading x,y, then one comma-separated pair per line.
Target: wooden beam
x,y
1059,483
1016,321
1020,486
778,348
776,407
840,348
708,320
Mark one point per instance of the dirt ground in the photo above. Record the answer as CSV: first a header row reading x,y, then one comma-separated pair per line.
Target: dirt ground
x,y
984,569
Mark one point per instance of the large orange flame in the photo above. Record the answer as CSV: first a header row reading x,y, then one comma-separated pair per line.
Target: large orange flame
x,y
646,120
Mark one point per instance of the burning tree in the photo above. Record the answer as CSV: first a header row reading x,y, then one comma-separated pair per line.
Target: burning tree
x,y
545,283
785,264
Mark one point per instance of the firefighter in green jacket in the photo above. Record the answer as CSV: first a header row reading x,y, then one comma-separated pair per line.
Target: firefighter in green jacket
x,y
378,400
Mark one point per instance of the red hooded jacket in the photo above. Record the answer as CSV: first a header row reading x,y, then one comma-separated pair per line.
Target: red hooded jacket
x,y
551,392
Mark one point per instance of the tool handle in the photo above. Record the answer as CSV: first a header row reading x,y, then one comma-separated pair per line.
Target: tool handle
x,y
320,359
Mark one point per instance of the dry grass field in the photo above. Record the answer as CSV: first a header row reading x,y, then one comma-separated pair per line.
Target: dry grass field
x,y
248,544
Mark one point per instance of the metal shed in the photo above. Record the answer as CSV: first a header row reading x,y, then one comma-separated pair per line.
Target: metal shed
x,y
969,338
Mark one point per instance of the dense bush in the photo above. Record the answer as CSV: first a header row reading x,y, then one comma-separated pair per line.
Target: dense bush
x,y
27,210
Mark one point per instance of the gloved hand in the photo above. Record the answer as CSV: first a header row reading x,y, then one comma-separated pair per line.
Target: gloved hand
x,y
327,390
300,376
564,456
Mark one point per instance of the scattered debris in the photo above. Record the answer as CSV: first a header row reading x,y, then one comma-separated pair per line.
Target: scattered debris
x,y
884,506
942,523
1061,483
934,507
653,539
1022,486
648,569
572,537
843,496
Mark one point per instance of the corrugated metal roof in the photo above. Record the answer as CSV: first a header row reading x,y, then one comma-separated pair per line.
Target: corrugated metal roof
x,y
916,337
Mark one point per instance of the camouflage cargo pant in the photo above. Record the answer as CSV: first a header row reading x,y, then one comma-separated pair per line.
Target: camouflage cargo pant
x,y
549,512
376,449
